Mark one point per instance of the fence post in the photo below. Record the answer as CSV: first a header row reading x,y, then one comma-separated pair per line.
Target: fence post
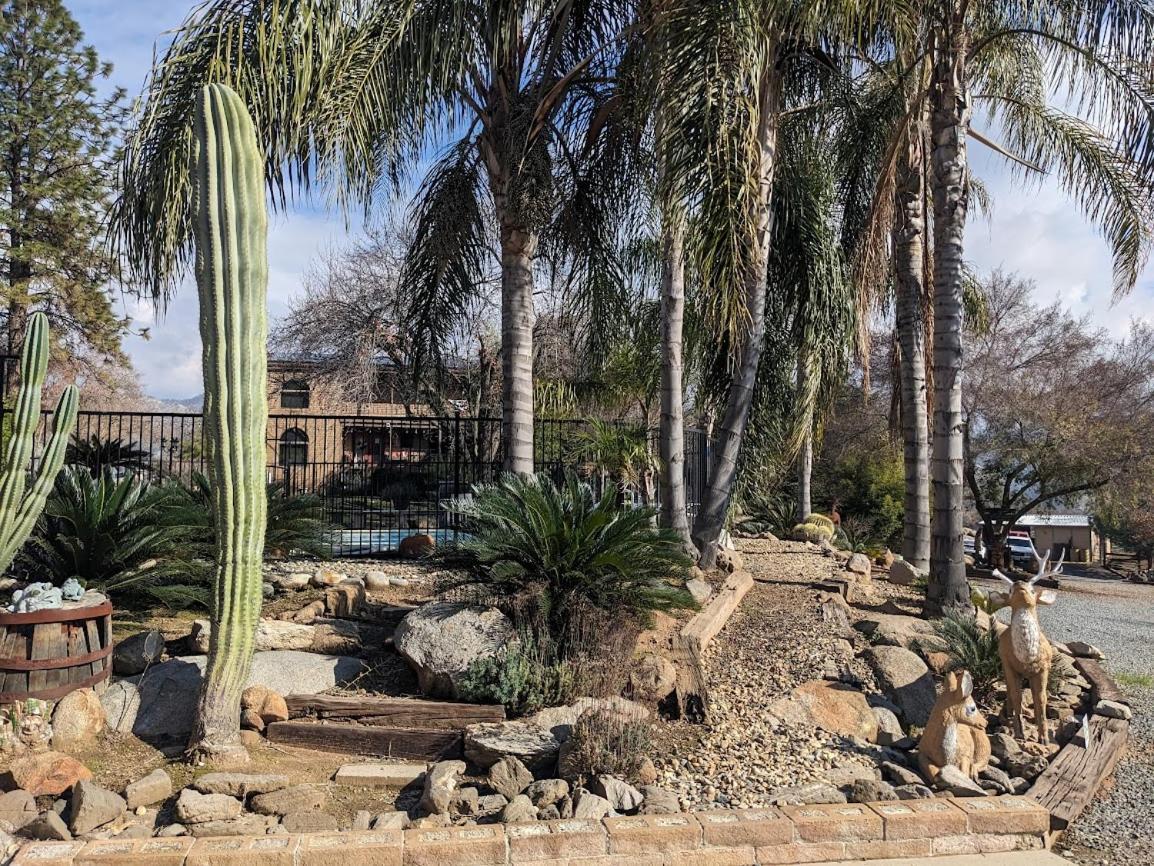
x,y
456,467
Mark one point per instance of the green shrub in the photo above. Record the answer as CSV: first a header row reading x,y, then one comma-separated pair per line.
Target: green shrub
x,y
968,648
545,552
98,454
118,536
525,676
606,742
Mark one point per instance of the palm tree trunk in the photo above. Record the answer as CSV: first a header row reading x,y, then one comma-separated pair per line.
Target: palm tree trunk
x,y
805,454
517,248
672,432
731,431
948,589
909,261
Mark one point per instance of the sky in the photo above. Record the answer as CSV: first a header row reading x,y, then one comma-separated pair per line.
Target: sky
x,y
1035,232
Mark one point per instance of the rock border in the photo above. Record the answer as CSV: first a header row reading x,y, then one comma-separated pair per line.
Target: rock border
x,y
753,837
1072,779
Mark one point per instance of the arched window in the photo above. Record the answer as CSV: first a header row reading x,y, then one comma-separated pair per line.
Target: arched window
x,y
294,394
294,447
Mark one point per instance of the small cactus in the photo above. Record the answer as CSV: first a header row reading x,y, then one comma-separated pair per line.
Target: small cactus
x,y
231,233
20,507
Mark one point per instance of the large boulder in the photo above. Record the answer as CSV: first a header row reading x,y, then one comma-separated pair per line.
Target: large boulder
x,y
441,640
77,720
534,746
121,702
169,691
134,654
93,806
834,707
653,677
905,679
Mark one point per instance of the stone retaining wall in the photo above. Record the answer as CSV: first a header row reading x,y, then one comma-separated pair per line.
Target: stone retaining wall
x,y
753,837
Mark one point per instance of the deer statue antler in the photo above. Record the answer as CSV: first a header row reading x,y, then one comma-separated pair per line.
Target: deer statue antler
x,y
1043,562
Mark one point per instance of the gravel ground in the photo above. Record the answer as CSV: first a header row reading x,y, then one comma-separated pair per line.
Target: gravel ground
x,y
775,641
1118,618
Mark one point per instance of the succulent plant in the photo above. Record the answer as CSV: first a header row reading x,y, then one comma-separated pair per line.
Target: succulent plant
x,y
231,234
20,506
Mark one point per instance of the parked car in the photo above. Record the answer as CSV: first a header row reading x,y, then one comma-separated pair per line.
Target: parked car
x,y
1020,551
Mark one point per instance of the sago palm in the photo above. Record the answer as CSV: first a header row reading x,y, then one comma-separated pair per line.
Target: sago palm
x,y
349,96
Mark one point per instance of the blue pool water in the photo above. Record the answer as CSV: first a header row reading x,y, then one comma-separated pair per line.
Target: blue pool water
x,y
369,542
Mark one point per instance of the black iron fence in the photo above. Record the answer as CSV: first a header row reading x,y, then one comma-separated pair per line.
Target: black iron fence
x,y
378,478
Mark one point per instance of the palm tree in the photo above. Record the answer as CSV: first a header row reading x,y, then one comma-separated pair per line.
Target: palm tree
x,y
349,97
920,123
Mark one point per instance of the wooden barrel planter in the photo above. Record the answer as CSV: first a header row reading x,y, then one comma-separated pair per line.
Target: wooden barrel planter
x,y
48,653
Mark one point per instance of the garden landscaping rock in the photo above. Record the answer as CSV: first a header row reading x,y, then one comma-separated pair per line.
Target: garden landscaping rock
x,y
441,640
1082,650
152,789
658,801
871,791
509,777
834,707
519,811
899,775
170,690
589,806
245,825
93,806
817,793
699,589
1025,765
292,582
391,821
952,779
240,784
121,702
653,677
440,784
268,705
284,801
894,629
1113,710
325,577
547,792
534,746
913,792
17,808
491,804
47,827
309,822
890,731
465,801
859,564
192,807
379,775
171,830
135,653
905,679
48,773
904,574
622,796
77,719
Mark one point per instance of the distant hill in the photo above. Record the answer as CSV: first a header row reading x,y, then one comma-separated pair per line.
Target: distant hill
x,y
184,404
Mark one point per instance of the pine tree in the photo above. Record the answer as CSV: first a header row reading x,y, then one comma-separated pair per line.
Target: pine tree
x,y
58,142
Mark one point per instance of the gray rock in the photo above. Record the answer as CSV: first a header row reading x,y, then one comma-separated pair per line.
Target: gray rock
x,y
292,582
465,801
531,744
1082,650
153,788
913,792
93,806
121,702
622,796
47,827
491,804
240,784
890,731
440,785
814,793
871,791
519,811
170,690
17,808
285,801
1003,746
549,813
362,821
589,806
391,821
1025,765
547,792
951,779
1000,778
376,580
134,654
309,822
172,830
699,589
1113,710
904,574
193,807
904,677
658,801
441,640
859,564
136,830
267,590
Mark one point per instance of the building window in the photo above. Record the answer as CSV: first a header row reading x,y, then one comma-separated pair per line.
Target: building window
x,y
294,448
294,394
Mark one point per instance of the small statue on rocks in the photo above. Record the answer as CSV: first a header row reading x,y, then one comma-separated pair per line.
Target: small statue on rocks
x,y
24,727
956,732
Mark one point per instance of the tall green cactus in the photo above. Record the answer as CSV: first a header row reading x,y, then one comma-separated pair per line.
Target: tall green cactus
x,y
20,507
231,233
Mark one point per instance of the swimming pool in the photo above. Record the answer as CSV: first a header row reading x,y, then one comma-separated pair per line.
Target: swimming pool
x,y
368,542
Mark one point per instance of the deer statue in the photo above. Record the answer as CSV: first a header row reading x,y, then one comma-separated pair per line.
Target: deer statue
x,y
956,732
1025,652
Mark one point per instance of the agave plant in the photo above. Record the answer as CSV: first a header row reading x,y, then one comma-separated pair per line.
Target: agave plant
x,y
553,549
